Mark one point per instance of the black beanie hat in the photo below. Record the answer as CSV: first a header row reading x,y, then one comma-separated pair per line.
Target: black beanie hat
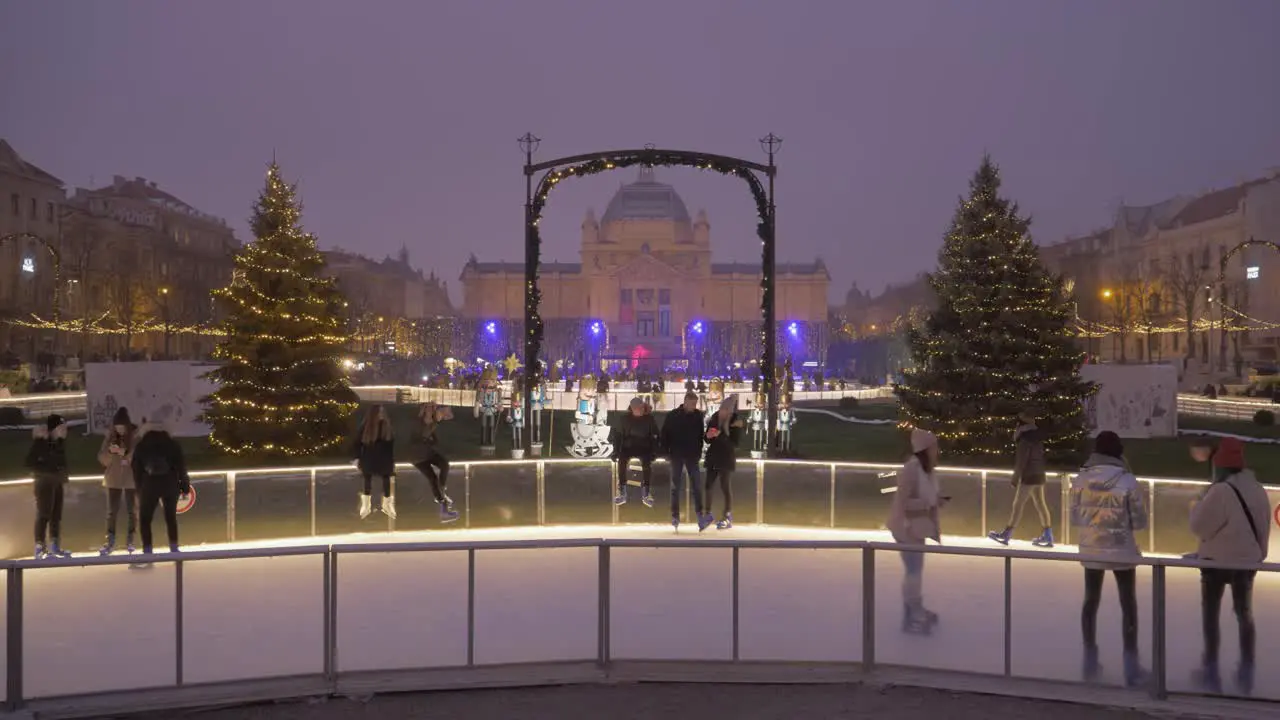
x,y
53,421
1108,443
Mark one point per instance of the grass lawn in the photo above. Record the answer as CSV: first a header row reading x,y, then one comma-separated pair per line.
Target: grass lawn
x,y
817,437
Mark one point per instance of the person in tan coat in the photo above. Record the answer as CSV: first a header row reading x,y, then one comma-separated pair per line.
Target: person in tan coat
x,y
1232,520
116,457
913,519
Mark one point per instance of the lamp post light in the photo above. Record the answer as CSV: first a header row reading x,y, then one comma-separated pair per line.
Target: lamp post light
x,y
529,145
770,144
164,310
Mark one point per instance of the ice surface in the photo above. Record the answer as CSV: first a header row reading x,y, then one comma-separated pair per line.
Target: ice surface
x,y
92,629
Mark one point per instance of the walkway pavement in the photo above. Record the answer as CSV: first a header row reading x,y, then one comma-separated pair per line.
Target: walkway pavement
x,y
645,701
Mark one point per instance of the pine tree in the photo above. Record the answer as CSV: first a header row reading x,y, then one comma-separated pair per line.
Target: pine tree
x,y
281,390
998,341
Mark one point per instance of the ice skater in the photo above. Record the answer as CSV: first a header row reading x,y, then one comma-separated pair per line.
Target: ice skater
x,y
913,519
1028,482
724,432
374,455
682,437
636,437
116,457
47,460
160,473
1108,507
433,465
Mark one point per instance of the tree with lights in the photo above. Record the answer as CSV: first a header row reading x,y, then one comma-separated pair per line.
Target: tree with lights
x,y
998,341
281,390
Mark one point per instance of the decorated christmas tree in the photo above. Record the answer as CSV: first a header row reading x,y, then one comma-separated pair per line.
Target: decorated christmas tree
x,y
281,389
998,341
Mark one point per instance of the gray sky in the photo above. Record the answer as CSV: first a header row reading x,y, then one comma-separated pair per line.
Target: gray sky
x,y
399,117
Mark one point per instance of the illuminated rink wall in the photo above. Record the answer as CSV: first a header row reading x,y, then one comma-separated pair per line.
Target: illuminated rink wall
x,y
269,504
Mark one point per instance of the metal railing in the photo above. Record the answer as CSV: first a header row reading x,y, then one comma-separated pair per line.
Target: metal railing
x,y
1242,409
273,503
45,404
573,601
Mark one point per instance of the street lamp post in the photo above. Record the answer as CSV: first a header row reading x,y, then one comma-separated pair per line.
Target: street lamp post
x,y
164,311
1108,295
529,145
771,144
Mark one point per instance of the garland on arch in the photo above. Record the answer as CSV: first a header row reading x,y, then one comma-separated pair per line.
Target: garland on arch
x,y
656,158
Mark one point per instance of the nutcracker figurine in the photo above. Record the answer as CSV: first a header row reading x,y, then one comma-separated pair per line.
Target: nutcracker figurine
x,y
759,422
488,405
591,420
515,416
535,423
786,421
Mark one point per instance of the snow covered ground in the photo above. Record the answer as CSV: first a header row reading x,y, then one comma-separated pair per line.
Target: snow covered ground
x,y
104,628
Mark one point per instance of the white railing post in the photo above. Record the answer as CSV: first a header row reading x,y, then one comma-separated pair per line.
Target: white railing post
x,y
982,526
736,605
329,586
1151,515
178,623
466,495
1159,674
605,582
868,609
313,502
13,639
1008,616
231,506
471,607
833,495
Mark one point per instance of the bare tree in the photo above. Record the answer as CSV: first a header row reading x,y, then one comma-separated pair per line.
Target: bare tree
x,y
130,304
1184,280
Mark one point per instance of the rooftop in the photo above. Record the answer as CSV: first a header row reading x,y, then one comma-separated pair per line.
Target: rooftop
x,y
646,199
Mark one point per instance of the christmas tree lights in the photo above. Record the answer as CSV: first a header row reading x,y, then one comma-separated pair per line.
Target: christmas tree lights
x,y
1000,340
281,389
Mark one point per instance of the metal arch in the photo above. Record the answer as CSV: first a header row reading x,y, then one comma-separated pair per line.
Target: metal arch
x,y
57,266
1226,259
686,155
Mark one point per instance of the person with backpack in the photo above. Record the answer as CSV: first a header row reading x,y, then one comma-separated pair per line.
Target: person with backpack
x,y
1232,520
1108,507
160,473
47,460
116,457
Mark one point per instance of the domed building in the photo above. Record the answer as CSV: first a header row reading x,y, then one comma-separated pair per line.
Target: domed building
x,y
646,293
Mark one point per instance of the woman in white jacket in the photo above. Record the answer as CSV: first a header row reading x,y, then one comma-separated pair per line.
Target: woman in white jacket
x,y
913,519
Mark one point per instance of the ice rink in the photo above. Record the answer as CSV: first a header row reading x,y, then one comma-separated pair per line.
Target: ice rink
x,y
265,617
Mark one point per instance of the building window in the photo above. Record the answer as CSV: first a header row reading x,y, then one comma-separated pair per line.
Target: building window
x,y
664,322
644,324
34,205
14,203
664,296
48,212
624,297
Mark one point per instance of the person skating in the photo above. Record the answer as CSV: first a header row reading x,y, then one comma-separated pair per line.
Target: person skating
x,y
913,519
430,462
375,457
723,433
636,436
682,437
116,457
47,460
1028,482
1108,507
160,473
1232,520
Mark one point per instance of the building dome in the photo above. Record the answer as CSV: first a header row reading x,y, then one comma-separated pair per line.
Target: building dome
x,y
646,199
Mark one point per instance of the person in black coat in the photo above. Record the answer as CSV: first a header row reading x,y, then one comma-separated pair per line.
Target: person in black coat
x,y
724,432
374,455
636,436
47,460
160,473
682,437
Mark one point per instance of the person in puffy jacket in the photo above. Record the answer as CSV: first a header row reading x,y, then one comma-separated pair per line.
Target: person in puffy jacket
x,y
1028,482
47,460
724,433
636,436
682,439
1232,520
160,473
914,518
1108,507
374,455
116,457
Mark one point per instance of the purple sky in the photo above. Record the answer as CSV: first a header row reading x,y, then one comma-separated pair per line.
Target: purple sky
x,y
399,118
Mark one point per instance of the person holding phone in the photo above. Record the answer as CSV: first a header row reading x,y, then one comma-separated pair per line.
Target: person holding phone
x,y
723,434
913,519
116,456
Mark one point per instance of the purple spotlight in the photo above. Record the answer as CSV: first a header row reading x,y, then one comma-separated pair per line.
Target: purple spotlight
x,y
794,329
595,328
491,328
697,327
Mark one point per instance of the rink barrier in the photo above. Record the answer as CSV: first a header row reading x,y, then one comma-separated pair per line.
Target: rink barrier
x,y
330,681
859,502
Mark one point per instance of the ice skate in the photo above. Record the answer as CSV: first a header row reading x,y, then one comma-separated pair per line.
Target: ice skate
x,y
675,522
174,549
1045,540
930,617
389,506
129,546
366,506
109,546
1002,536
447,513
1208,679
143,564
56,551
725,523
915,622
621,497
1091,669
1134,674
705,520
1244,678
39,552
646,498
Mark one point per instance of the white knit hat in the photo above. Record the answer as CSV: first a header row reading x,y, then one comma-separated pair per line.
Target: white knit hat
x,y
922,440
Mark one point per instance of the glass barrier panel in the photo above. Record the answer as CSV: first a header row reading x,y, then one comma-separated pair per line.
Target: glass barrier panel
x,y
650,622
338,503
416,508
861,503
966,593
1171,517
1273,553
98,629
797,494
426,595
536,605
500,495
204,523
17,516
743,484
1047,637
1000,496
962,515
272,605
800,605
634,510
273,505
578,492
4,634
